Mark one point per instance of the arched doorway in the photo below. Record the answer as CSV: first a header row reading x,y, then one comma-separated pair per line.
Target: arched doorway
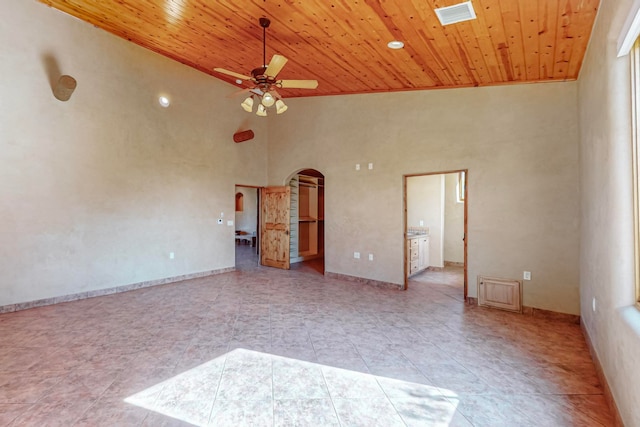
x,y
306,243
292,222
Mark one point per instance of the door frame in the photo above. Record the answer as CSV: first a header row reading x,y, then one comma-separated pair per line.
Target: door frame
x,y
466,216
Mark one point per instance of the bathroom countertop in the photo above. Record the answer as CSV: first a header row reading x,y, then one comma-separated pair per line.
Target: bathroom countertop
x,y
415,236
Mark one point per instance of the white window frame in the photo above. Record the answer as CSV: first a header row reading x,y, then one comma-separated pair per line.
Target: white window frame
x,y
461,186
635,127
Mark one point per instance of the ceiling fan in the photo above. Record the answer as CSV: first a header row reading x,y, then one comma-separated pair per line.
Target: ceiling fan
x,y
265,84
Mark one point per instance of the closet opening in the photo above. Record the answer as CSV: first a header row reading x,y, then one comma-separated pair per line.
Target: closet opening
x,y
306,242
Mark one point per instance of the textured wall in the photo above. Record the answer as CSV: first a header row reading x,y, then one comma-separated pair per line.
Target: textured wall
x,y
453,221
95,192
606,252
520,144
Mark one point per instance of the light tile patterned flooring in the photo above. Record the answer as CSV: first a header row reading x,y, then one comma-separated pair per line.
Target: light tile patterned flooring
x,y
263,347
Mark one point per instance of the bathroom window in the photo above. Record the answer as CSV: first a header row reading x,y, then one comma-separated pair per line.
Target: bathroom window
x,y
461,187
635,92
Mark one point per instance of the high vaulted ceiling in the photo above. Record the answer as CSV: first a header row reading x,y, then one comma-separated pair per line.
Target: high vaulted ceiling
x,y
343,43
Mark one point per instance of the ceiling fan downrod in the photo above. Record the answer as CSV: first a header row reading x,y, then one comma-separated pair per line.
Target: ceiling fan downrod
x,y
264,23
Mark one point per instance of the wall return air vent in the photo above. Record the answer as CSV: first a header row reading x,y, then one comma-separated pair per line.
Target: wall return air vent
x,y
456,13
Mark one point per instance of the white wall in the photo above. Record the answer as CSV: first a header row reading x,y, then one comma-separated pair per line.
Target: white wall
x,y
432,199
425,202
247,220
606,250
519,143
453,221
95,192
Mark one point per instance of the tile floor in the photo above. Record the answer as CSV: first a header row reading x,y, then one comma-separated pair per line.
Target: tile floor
x,y
264,347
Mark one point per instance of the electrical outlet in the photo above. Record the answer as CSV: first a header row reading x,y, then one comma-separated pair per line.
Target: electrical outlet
x,y
526,275
370,257
230,223
370,166
356,255
421,223
172,255
357,166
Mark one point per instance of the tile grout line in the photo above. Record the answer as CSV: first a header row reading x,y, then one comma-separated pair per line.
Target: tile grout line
x,y
333,405
389,400
222,371
273,397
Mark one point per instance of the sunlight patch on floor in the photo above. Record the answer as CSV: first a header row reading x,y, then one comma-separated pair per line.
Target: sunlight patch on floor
x,y
245,387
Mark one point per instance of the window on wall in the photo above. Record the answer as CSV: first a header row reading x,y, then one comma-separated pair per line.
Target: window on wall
x,y
635,90
460,187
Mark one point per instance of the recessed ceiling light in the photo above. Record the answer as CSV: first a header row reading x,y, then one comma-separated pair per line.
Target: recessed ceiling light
x,y
395,44
164,101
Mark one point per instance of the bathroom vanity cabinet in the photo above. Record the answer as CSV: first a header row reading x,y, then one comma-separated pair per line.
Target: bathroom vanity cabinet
x,y
417,253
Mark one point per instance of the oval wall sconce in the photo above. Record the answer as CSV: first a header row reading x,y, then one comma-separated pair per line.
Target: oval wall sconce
x,y
64,88
245,135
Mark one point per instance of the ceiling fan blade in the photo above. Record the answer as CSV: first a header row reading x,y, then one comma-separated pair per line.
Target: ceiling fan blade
x,y
276,64
238,92
250,90
232,74
299,84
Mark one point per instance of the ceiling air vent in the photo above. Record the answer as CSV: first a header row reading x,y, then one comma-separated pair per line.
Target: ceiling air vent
x,y
456,13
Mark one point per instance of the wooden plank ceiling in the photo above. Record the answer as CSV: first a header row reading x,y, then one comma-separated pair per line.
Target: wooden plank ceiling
x,y
343,43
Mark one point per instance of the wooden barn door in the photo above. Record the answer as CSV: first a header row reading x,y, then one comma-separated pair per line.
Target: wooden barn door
x,y
274,230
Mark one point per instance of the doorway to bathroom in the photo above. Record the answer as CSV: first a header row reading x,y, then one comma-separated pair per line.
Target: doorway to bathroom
x,y
435,230
246,232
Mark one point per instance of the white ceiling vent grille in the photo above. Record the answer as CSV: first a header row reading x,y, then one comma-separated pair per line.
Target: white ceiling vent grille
x,y
456,13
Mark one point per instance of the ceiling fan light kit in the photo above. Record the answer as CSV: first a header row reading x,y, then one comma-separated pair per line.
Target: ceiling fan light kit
x,y
280,106
247,104
265,85
268,100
